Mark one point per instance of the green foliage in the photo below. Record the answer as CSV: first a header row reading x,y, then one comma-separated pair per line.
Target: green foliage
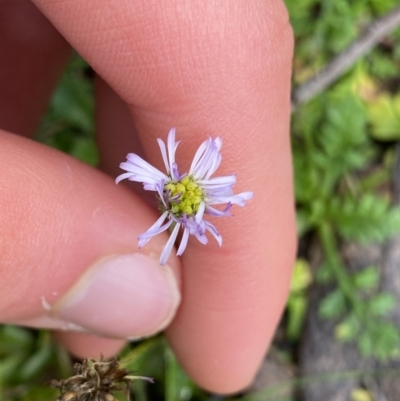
x,y
333,305
323,28
364,219
381,304
335,143
324,274
298,302
332,149
25,359
178,387
348,328
375,336
366,279
68,124
384,115
380,340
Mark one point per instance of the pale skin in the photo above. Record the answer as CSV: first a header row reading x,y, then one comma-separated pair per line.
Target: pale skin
x,y
218,68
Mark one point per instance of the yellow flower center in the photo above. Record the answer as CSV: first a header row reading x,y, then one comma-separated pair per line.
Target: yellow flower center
x,y
190,196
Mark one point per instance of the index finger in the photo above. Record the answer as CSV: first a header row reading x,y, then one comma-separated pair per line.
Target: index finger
x,y
218,69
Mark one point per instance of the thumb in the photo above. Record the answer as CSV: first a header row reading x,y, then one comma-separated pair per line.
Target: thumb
x,y
69,257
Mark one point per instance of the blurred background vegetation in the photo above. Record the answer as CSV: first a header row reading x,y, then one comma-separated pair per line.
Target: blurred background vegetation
x,y
345,146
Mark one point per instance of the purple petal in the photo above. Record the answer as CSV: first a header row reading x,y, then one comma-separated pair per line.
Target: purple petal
x,y
160,190
217,181
206,160
214,165
169,245
209,161
246,195
154,230
200,212
175,172
201,238
214,232
163,149
122,177
150,186
172,146
219,213
184,241
239,199
136,164
198,155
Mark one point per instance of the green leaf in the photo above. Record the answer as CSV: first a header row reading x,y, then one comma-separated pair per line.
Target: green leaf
x,y
303,222
15,339
384,115
301,277
365,220
296,310
367,278
73,100
69,121
178,387
35,364
40,393
380,339
381,304
365,344
146,358
85,149
388,342
348,328
324,274
333,305
10,365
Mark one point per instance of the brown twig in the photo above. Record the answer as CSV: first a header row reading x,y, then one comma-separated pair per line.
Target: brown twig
x,y
373,33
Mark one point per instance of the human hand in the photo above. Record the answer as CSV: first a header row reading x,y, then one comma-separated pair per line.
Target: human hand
x,y
68,235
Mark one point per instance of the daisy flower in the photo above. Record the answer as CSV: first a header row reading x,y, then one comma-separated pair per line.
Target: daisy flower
x,y
185,199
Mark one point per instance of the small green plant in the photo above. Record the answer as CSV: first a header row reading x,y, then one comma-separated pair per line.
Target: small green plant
x,y
26,358
332,149
69,122
298,299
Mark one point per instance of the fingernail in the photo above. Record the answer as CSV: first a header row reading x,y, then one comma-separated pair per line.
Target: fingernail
x,y
122,296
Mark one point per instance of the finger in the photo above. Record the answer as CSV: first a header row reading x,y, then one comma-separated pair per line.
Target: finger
x,y
68,253
26,35
32,55
229,76
85,345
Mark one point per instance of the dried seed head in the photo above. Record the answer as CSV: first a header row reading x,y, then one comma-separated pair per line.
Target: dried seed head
x,y
96,381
